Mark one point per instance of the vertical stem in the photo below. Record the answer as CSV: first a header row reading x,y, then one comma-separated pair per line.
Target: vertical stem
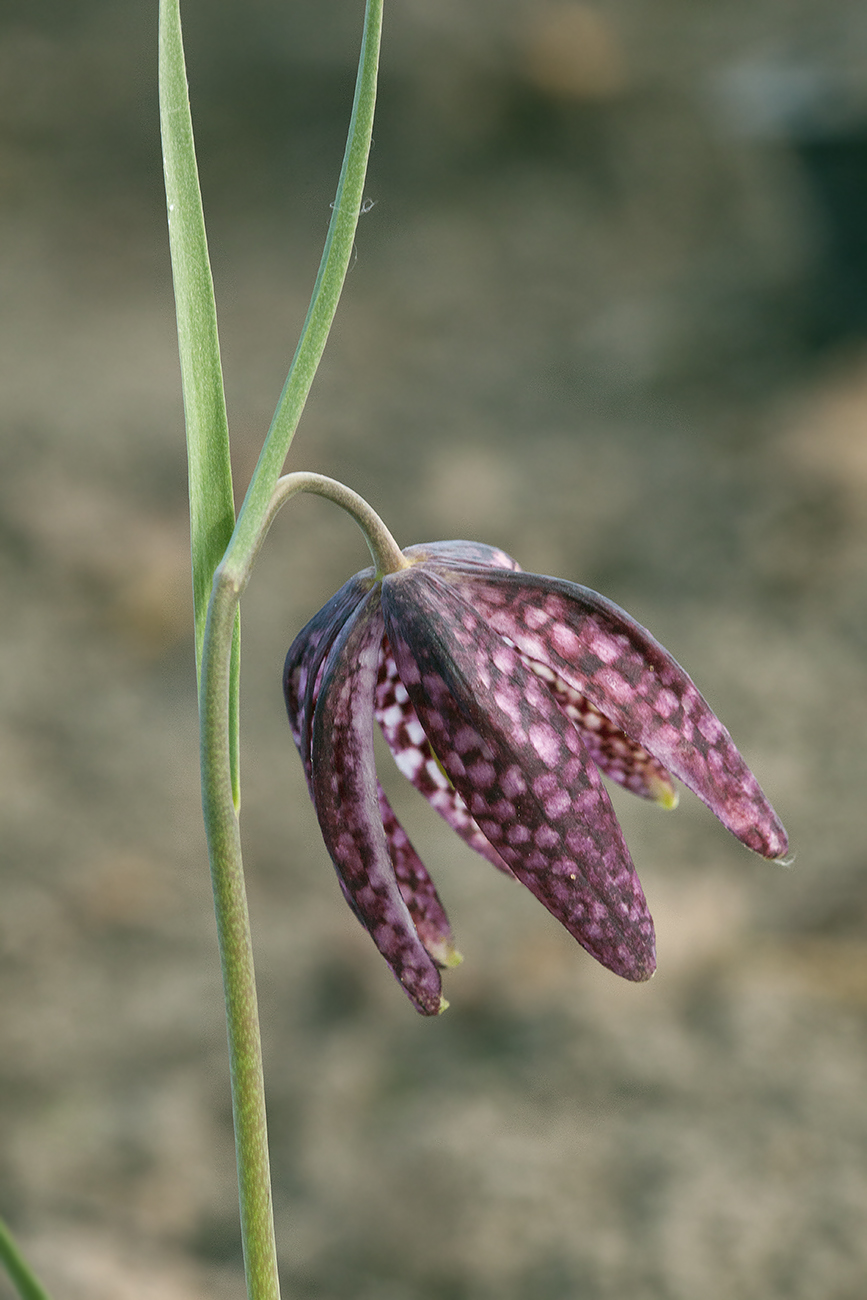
x,y
216,634
236,951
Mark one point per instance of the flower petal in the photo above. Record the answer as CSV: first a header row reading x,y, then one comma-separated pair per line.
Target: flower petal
x,y
417,890
302,671
344,791
415,758
615,754
618,666
520,766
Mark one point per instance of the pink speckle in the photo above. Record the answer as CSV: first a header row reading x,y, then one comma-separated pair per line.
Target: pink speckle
x,y
574,771
606,648
512,782
666,738
665,703
517,835
578,841
508,699
504,659
436,775
546,743
546,837
483,671
613,686
482,775
409,761
535,618
558,806
465,739
711,728
544,786
565,641
415,732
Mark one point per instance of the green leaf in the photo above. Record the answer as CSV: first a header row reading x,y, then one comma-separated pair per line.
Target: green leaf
x,y
212,507
212,512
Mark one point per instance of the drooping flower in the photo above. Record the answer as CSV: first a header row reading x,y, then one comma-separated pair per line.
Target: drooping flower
x,y
502,695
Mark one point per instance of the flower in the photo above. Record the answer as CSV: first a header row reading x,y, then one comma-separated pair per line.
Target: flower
x,y
502,696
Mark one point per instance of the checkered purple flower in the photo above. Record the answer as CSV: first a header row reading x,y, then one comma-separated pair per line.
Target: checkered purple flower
x,y
503,695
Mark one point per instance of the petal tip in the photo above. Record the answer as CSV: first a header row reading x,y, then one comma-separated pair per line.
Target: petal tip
x,y
633,959
445,954
427,1002
663,795
776,845
642,971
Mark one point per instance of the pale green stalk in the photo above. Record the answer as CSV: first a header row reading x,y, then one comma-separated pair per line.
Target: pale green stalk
x,y
217,633
336,256
23,1279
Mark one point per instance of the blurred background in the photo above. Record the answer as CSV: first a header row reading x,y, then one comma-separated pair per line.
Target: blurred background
x,y
609,311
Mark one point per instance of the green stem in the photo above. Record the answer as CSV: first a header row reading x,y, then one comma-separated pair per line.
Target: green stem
x,y
23,1279
236,950
336,256
216,701
384,550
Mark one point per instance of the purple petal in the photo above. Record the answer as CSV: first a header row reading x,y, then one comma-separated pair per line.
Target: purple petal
x,y
618,666
615,754
415,758
344,790
302,671
521,768
417,890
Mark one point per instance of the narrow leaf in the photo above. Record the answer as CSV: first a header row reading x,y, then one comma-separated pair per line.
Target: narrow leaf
x,y
212,514
212,507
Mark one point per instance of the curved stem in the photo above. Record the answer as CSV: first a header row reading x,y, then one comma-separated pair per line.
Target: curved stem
x,y
385,552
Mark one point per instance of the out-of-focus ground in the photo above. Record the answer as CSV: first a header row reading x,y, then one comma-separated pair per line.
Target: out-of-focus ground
x,y
609,311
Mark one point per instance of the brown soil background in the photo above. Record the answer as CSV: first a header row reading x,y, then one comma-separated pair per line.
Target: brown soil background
x,y
598,318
